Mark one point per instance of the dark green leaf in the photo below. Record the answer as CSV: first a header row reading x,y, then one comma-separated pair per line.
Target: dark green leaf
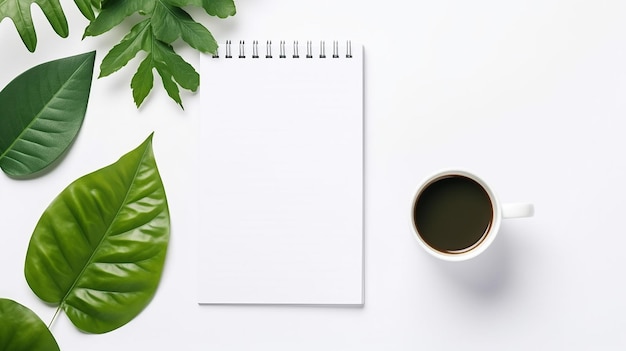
x,y
19,12
22,330
99,249
42,111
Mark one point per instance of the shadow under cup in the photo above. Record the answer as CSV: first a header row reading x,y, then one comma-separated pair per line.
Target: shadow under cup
x,y
453,214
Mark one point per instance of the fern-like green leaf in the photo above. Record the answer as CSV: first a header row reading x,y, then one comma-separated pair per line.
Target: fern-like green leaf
x,y
165,22
19,11
139,38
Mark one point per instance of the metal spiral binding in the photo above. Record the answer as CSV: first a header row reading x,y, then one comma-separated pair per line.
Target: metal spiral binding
x,y
283,51
255,49
228,55
268,48
242,47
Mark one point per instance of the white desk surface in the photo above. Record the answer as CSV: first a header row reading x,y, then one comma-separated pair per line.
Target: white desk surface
x,y
529,95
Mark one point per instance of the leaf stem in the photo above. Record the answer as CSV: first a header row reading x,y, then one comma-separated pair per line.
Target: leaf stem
x,y
54,317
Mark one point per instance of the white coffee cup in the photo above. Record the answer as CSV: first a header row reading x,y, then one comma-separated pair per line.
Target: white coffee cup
x,y
455,215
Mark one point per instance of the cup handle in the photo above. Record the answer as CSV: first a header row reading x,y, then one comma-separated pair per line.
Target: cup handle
x,y
517,210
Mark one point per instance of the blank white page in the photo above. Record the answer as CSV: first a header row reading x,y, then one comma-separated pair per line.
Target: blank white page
x,y
281,180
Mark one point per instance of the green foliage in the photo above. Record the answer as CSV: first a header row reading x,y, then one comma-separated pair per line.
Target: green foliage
x,y
164,22
42,112
19,12
22,330
99,248
160,56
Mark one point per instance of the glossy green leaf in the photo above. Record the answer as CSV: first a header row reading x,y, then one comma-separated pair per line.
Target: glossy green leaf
x,y
19,11
99,249
42,112
22,330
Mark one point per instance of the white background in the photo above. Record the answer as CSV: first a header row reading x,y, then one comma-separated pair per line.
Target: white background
x,y
529,95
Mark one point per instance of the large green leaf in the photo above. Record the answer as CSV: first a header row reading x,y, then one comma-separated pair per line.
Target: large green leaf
x,y
98,250
22,330
41,112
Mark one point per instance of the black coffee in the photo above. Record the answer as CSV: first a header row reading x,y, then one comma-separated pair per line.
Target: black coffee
x,y
453,214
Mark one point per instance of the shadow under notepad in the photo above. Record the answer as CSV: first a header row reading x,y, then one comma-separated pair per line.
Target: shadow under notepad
x,y
486,275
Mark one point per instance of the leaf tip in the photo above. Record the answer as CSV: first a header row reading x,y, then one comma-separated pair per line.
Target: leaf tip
x,y
30,45
91,56
138,102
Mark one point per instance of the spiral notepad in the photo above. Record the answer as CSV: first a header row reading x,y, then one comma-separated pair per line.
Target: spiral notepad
x,y
281,195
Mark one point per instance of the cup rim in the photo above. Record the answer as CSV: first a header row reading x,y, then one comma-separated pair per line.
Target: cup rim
x,y
491,233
